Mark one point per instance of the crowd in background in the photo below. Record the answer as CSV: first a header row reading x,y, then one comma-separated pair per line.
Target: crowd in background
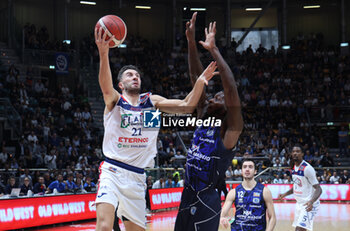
x,y
280,93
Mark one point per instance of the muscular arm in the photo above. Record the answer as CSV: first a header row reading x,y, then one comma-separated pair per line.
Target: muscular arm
x,y
270,209
194,64
317,193
232,101
188,104
315,196
230,199
110,95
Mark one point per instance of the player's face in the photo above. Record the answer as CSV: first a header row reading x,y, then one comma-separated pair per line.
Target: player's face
x,y
297,154
248,170
131,81
216,106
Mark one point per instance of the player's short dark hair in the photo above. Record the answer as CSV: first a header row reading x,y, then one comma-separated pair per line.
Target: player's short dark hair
x,y
127,67
250,160
299,146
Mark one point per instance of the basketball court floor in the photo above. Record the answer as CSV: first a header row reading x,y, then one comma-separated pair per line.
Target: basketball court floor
x,y
330,217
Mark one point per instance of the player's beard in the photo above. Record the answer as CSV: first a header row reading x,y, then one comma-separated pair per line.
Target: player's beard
x,y
133,90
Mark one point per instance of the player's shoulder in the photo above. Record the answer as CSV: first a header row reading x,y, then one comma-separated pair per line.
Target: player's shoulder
x,y
305,165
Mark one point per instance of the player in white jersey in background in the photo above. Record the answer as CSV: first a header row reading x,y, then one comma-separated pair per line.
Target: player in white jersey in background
x,y
306,190
127,145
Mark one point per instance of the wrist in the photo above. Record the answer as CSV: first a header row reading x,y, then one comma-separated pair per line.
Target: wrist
x,y
212,49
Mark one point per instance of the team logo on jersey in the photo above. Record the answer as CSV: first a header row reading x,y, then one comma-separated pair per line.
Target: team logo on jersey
x,y
193,210
210,132
151,118
112,169
101,195
298,182
130,119
256,200
256,194
247,213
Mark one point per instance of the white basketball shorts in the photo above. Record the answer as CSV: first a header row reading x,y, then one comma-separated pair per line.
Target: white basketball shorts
x,y
305,219
124,190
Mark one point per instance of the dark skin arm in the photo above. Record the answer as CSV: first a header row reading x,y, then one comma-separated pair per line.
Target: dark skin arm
x,y
289,192
194,64
233,120
315,196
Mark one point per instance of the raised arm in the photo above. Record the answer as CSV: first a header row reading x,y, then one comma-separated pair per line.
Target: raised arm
x,y
194,64
234,118
224,218
110,95
188,104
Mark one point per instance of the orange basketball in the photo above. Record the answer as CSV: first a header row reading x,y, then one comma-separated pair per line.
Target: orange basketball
x,y
113,25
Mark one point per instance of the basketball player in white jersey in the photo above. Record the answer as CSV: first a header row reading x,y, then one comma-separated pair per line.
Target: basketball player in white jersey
x,y
127,145
306,190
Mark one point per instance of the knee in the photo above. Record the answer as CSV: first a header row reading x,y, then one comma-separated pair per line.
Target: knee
x,y
104,226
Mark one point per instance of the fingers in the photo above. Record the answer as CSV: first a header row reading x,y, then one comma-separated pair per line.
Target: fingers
x,y
206,31
95,34
99,33
187,25
110,39
194,17
104,36
201,42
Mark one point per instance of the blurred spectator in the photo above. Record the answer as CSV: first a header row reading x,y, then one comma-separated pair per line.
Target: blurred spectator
x,y
71,186
25,174
89,186
25,187
327,161
343,141
58,184
40,186
11,185
277,180
160,183
334,179
345,176
229,173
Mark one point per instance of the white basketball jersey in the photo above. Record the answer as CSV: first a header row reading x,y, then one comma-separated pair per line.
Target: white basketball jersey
x,y
304,177
125,139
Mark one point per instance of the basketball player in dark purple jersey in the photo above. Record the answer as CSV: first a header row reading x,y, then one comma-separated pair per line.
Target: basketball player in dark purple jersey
x,y
211,149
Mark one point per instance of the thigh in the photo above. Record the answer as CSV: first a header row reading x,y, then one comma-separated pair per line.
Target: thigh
x,y
107,191
132,199
199,212
104,216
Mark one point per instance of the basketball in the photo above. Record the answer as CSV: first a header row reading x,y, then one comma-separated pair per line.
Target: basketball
x,y
113,25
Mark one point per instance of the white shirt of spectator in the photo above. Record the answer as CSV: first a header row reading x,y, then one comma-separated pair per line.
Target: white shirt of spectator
x,y
303,185
158,185
32,138
334,179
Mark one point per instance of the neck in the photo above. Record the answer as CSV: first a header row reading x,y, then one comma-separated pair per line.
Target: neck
x,y
131,97
248,183
298,162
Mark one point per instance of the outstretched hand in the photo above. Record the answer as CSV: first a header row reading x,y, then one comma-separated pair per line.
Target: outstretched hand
x,y
209,42
100,40
191,28
209,72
